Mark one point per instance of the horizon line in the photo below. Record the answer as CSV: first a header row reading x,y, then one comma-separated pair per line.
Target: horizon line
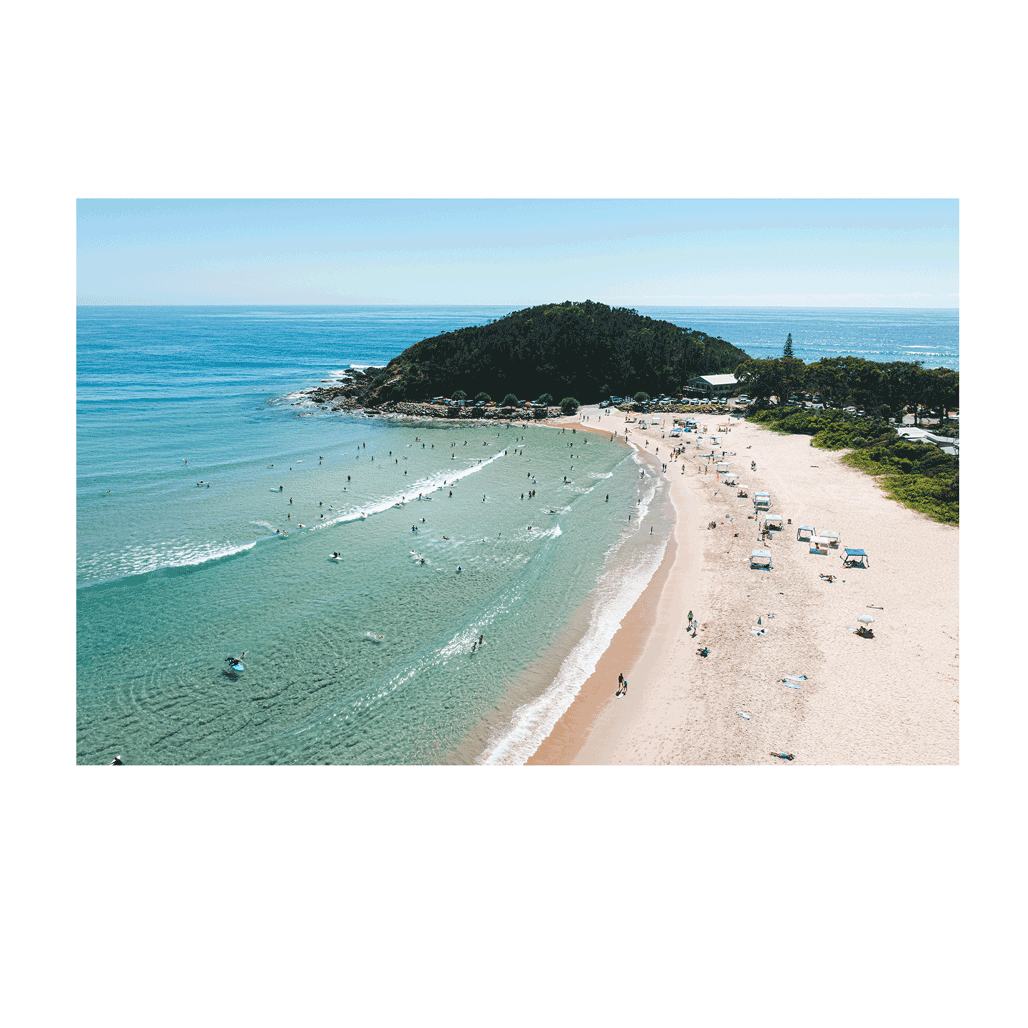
x,y
720,306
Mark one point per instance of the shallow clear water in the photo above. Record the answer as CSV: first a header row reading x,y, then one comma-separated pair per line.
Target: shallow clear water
x,y
366,658
362,659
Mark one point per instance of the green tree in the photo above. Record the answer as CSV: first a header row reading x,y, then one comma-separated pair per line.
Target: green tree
x,y
510,400
758,377
641,397
483,397
569,405
459,395
787,352
546,398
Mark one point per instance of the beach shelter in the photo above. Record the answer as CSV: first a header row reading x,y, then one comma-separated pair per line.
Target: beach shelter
x,y
731,478
760,559
805,533
854,559
773,521
762,501
819,544
832,537
723,468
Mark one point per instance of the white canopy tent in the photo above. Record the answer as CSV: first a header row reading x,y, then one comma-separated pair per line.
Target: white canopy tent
x,y
760,559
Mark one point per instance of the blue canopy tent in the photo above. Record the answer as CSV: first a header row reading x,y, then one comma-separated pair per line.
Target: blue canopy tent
x,y
854,559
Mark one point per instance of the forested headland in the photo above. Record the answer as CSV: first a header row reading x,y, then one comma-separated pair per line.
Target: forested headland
x,y
586,350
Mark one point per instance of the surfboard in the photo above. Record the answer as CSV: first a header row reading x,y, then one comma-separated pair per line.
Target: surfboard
x,y
236,666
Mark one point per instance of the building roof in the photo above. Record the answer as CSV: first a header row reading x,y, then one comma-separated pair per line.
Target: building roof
x,y
717,380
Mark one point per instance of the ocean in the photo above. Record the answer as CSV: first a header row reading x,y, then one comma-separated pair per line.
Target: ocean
x,y
875,334
211,498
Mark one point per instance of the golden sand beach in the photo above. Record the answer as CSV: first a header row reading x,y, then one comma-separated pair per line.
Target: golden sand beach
x,y
892,699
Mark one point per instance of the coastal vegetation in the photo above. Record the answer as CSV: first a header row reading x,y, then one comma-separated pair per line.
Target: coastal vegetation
x,y
586,350
918,475
884,390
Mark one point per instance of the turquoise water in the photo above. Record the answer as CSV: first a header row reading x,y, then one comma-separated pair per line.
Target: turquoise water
x,y
362,659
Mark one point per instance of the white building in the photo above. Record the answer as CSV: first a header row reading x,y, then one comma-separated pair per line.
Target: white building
x,y
714,385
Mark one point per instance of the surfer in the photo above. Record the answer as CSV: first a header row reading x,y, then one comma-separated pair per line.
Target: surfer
x,y
117,760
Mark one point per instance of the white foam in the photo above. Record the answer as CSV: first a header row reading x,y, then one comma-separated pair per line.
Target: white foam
x,y
144,559
433,483
532,722
549,533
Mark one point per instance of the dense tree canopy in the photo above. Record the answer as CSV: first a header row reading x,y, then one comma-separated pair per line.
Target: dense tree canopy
x,y
882,389
583,349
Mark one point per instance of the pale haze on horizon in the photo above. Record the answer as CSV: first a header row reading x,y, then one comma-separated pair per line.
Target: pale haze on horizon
x,y
799,253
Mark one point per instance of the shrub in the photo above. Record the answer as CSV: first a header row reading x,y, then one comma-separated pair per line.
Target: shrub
x,y
569,405
641,397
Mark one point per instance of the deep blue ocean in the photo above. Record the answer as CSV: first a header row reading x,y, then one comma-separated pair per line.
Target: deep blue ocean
x,y
210,499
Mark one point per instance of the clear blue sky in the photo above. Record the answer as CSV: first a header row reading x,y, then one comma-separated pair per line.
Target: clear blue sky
x,y
845,253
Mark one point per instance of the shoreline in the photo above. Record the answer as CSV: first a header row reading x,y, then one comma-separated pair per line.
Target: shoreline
x,y
589,628
596,696
890,700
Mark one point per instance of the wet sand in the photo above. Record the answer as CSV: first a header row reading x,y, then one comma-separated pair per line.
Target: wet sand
x,y
888,700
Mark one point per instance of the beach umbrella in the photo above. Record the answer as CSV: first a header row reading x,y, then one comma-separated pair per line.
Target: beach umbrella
x,y
866,618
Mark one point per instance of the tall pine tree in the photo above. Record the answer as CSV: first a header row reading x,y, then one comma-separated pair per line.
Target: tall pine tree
x,y
787,352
